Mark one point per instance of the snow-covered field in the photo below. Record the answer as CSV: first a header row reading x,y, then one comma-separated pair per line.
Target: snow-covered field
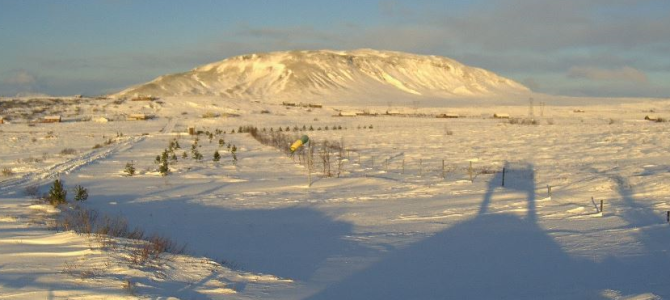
x,y
396,224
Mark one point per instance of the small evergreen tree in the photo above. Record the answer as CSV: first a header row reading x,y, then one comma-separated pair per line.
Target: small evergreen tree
x,y
158,159
164,169
130,168
221,142
164,156
176,145
173,158
197,155
184,155
80,193
57,194
217,156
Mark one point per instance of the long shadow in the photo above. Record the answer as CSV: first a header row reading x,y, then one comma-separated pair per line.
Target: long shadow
x,y
653,236
492,256
288,242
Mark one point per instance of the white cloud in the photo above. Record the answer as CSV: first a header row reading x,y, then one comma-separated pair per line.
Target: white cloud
x,y
624,74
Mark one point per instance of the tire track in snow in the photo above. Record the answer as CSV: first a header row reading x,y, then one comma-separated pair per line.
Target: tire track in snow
x,y
71,165
169,127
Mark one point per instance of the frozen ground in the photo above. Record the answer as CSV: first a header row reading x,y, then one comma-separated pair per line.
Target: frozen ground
x,y
394,225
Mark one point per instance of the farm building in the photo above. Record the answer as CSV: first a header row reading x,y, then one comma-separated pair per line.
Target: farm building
x,y
654,118
191,130
501,116
288,103
137,117
52,119
448,116
2,120
315,105
143,98
349,113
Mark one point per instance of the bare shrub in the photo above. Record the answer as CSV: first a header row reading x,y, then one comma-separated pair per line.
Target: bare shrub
x,y
32,191
7,172
153,247
209,114
78,219
129,287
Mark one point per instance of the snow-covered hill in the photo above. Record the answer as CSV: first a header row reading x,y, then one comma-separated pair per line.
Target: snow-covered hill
x,y
333,76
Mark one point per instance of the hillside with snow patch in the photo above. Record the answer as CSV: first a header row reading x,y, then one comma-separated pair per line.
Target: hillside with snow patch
x,y
336,77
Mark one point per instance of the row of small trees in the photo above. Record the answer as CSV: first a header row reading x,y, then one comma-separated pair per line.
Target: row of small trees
x,y
282,141
245,129
169,155
57,194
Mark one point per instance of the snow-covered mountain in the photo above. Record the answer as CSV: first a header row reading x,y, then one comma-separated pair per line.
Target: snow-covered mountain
x,y
332,75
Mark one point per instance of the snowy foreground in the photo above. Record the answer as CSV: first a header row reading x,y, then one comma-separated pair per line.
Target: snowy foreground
x,y
394,225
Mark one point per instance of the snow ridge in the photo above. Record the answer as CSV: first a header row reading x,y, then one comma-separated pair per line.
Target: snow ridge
x,y
363,73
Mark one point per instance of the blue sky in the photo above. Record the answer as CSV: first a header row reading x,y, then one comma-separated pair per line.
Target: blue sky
x,y
606,48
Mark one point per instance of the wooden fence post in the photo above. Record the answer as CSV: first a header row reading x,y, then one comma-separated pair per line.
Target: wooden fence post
x,y
443,169
420,167
470,172
503,177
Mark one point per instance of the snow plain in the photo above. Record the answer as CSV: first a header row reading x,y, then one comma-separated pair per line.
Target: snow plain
x,y
394,225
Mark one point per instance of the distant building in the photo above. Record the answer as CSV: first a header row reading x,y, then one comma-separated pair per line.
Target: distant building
x,y
2,120
315,105
393,112
448,116
652,118
578,111
52,119
288,103
143,98
349,113
136,117
501,116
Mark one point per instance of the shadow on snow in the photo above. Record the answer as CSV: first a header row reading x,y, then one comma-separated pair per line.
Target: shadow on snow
x,y
504,256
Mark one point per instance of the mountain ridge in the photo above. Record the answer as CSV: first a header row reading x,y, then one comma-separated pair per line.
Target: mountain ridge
x,y
331,74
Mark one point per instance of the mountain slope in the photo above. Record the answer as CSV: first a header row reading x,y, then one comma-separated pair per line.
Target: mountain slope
x,y
299,75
